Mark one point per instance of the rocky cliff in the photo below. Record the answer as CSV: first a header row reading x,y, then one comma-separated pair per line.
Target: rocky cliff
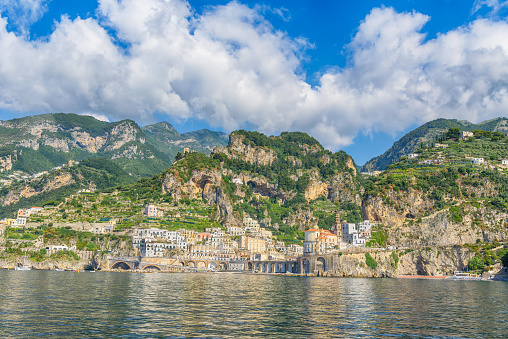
x,y
51,139
237,149
431,261
415,218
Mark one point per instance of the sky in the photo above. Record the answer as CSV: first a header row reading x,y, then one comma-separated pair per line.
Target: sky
x,y
356,75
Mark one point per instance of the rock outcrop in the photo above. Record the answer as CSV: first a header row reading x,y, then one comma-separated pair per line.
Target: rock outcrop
x,y
204,184
410,220
435,261
6,163
236,149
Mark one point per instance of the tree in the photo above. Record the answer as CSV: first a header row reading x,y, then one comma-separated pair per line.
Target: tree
x,y
453,133
178,156
476,263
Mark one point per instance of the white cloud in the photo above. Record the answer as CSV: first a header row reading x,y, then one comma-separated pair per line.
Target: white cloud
x,y
98,116
230,67
24,13
495,6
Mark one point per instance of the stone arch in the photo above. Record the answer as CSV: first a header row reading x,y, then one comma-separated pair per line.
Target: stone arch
x,y
121,265
269,268
152,267
201,264
320,264
250,266
212,265
191,264
182,263
223,266
305,266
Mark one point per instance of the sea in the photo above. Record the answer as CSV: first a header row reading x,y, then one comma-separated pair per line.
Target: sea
x,y
59,304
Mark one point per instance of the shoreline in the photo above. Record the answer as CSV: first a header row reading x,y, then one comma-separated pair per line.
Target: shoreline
x,y
423,277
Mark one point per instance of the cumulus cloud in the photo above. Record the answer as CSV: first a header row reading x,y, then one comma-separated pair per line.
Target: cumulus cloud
x,y
230,67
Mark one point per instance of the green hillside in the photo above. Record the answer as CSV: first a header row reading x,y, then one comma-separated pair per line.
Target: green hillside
x,y
168,141
426,134
38,143
96,173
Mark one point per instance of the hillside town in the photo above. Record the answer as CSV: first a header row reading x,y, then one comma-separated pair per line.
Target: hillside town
x,y
250,241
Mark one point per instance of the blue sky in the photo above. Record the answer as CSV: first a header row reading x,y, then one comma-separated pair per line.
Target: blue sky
x,y
355,75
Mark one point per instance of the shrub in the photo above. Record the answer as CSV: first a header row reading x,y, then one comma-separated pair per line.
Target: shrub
x,y
370,261
395,258
476,263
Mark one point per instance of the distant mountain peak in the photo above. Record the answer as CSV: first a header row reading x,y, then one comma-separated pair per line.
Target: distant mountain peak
x,y
164,125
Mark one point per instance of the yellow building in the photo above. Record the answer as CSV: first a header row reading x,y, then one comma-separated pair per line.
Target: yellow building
x,y
256,245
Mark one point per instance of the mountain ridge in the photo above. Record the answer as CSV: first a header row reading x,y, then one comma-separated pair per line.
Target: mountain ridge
x,y
426,134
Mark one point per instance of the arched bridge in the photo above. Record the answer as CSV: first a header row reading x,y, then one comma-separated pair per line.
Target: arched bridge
x,y
179,265
167,264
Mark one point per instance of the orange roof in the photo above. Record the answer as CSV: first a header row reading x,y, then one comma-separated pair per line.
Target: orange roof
x,y
312,230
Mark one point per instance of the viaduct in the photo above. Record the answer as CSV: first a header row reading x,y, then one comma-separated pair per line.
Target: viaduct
x,y
309,264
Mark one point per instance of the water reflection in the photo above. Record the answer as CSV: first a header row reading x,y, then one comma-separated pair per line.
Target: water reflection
x,y
67,304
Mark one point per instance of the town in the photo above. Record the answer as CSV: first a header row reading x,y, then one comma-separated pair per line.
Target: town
x,y
251,241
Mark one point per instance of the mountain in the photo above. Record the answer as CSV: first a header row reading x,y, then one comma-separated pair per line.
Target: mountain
x,y
168,141
454,192
38,143
426,134
289,182
58,184
439,209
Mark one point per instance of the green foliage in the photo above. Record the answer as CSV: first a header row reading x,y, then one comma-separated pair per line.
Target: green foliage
x,y
456,214
380,237
89,124
453,133
503,255
395,258
476,263
65,255
369,260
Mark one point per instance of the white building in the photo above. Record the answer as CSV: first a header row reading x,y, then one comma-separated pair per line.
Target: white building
x,y
365,228
251,225
155,248
236,265
351,234
235,231
154,241
504,162
477,160
412,156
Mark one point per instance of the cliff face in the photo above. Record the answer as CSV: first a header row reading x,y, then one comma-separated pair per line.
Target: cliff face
x,y
236,149
275,177
204,184
6,163
122,133
429,262
85,141
410,220
37,186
